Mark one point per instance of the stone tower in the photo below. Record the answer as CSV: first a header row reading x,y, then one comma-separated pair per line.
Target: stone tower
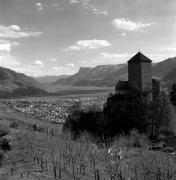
x,y
140,73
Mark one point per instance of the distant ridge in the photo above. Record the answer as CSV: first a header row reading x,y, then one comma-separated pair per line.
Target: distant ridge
x,y
13,84
108,75
170,78
49,79
165,67
103,75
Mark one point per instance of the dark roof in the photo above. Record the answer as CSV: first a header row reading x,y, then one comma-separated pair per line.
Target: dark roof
x,y
139,57
122,85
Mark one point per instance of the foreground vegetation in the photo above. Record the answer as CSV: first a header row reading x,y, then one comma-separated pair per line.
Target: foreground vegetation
x,y
37,155
124,112
45,153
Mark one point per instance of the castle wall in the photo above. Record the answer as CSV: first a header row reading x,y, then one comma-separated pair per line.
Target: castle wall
x,y
146,73
140,76
134,75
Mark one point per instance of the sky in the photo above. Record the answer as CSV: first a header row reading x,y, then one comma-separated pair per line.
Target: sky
x,y
54,37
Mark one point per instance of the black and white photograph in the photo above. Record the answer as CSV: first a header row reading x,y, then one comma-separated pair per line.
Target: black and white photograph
x,y
87,89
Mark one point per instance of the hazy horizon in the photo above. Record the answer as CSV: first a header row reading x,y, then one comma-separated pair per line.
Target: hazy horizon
x,y
57,37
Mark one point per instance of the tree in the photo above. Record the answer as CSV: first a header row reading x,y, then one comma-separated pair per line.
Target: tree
x,y
159,115
173,94
125,112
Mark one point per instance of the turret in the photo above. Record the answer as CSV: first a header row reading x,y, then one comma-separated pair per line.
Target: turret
x,y
140,73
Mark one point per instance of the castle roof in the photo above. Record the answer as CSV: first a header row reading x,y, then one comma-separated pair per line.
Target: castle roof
x,y
139,57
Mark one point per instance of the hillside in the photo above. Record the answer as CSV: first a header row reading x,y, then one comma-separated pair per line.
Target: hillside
x,y
163,68
49,79
104,75
170,78
108,75
17,84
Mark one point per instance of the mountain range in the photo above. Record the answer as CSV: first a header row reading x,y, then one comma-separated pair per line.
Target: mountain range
x,y
108,75
13,84
104,75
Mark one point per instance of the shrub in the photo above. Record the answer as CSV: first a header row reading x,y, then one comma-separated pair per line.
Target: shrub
x,y
1,157
80,121
134,139
4,130
14,124
5,144
138,139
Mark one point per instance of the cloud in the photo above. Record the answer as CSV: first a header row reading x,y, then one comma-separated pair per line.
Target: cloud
x,y
157,57
38,71
127,25
74,1
15,27
56,68
54,4
89,44
87,5
99,12
38,63
39,6
14,31
111,55
109,58
33,69
53,59
123,34
169,49
106,58
112,58
6,45
36,68
70,65
7,61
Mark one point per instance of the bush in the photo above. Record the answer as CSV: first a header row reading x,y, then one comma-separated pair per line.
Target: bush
x,y
1,157
80,121
4,130
138,139
14,124
121,114
5,144
134,139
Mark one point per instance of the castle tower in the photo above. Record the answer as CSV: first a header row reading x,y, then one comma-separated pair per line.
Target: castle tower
x,y
140,73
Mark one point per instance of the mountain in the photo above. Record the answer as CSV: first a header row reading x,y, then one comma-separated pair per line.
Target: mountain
x,y
170,78
49,79
103,75
17,84
163,68
108,75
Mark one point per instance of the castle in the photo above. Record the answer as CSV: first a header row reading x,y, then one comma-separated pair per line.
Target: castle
x,y
139,76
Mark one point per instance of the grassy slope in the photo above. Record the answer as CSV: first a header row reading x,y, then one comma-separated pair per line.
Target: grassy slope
x,y
25,122
8,115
